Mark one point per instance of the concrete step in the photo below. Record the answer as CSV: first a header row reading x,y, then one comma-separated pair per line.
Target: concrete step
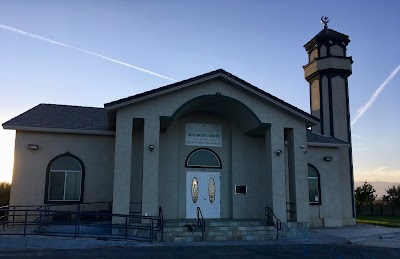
x,y
218,230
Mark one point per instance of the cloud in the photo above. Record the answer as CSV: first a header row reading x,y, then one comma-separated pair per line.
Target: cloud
x,y
377,174
363,109
358,137
4,27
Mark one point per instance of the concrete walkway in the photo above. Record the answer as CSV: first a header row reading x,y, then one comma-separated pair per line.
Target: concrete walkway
x,y
366,235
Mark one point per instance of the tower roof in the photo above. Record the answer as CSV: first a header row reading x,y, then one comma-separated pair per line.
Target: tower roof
x,y
325,35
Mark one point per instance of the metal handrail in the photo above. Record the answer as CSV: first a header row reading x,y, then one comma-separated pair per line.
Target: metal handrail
x,y
161,222
201,222
42,219
271,216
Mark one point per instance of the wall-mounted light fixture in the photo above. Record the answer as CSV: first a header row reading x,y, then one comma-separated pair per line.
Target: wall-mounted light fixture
x,y
33,146
304,148
278,152
151,147
328,158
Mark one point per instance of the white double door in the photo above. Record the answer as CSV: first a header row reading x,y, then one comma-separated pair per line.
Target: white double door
x,y
203,191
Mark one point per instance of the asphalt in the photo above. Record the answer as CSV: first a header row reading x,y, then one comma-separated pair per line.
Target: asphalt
x,y
360,234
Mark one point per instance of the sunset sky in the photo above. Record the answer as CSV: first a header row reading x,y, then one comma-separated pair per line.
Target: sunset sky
x,y
89,53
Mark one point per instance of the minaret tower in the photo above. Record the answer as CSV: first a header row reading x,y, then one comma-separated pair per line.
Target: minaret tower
x,y
327,72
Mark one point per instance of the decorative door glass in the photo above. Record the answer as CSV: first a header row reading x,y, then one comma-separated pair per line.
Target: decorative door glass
x,y
195,189
211,189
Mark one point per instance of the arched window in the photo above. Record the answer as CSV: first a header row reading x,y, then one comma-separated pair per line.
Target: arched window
x,y
203,158
64,179
314,190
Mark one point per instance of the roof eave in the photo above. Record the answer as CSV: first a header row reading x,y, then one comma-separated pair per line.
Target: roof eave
x,y
57,130
319,144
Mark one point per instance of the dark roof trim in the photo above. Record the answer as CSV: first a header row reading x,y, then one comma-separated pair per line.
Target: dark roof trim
x,y
60,130
319,140
213,74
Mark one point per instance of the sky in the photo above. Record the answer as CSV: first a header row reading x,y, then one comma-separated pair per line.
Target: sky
x,y
88,53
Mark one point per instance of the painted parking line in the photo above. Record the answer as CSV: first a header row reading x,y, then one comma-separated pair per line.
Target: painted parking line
x,y
396,254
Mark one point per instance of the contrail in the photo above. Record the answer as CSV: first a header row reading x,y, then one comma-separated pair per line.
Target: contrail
x,y
84,51
363,109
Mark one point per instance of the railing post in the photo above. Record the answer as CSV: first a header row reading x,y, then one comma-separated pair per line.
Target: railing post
x,y
40,223
151,231
126,227
26,216
13,216
77,220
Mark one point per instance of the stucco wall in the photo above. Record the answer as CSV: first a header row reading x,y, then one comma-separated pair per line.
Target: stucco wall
x,y
346,188
168,103
249,168
252,170
329,212
336,50
29,176
340,108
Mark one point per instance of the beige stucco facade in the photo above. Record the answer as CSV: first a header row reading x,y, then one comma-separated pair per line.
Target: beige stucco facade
x,y
30,166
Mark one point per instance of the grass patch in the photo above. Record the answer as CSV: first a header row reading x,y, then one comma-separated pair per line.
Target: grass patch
x,y
393,222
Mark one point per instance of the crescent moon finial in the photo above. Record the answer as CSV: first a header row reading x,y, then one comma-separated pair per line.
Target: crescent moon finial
x,y
324,21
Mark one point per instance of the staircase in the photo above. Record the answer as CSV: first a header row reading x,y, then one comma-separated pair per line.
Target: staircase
x,y
218,230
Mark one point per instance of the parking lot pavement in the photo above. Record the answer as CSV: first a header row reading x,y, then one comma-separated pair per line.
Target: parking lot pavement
x,y
226,251
359,241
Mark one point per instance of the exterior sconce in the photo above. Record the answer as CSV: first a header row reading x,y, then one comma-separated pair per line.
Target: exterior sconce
x,y
304,148
328,158
33,146
278,152
151,148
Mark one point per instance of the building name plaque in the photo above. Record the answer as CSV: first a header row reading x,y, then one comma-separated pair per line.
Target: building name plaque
x,y
197,134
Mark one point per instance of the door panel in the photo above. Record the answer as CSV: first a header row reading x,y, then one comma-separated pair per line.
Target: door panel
x,y
203,190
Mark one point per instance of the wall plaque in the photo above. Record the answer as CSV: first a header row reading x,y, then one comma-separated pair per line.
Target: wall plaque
x,y
198,134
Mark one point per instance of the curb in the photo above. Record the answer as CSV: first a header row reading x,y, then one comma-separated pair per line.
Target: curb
x,y
57,243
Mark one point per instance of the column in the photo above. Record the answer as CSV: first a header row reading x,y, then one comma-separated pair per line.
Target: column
x,y
122,166
274,141
298,145
150,166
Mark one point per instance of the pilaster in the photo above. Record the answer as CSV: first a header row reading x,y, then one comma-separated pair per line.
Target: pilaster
x,y
150,166
122,165
274,142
